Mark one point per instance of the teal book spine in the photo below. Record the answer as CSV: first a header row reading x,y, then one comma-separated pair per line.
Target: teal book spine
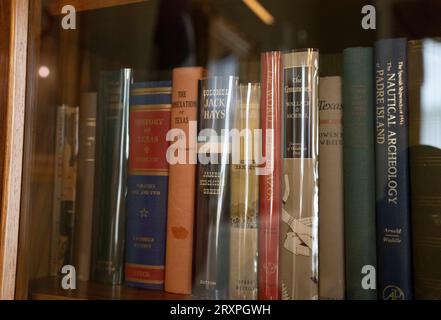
x,y
359,173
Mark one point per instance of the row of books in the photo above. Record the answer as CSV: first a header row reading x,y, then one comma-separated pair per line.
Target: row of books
x,y
205,186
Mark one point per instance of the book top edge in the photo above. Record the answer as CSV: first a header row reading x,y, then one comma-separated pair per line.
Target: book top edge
x,y
392,39
152,84
301,50
210,78
188,68
358,49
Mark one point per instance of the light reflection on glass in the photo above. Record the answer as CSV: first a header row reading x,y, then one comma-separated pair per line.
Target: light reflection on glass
x,y
431,94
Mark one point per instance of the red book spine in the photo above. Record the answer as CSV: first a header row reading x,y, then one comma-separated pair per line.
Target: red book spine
x,y
270,182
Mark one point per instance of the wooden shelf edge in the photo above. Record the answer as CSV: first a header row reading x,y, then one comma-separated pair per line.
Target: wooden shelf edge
x,y
50,289
84,5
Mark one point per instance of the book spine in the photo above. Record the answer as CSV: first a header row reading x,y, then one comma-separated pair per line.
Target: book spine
x,y
150,113
182,182
359,173
270,182
331,227
63,214
392,170
425,167
217,101
85,185
244,188
110,188
299,221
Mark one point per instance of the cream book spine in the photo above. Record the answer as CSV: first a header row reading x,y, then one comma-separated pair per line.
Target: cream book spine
x,y
331,225
299,225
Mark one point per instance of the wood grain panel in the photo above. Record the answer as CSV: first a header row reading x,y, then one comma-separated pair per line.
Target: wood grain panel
x,y
13,144
24,243
5,31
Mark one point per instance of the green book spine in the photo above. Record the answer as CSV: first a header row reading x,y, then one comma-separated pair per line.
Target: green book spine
x,y
359,173
111,176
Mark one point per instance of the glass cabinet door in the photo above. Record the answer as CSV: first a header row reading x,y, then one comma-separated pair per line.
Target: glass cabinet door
x,y
97,72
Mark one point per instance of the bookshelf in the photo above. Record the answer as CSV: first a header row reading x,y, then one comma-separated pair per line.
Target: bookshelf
x,y
47,66
63,53
50,289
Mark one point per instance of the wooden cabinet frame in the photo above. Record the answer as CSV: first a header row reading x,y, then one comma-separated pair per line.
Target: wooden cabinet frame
x,y
13,34
18,87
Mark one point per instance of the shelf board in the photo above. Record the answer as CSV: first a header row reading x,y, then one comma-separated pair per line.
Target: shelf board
x,y
55,6
50,289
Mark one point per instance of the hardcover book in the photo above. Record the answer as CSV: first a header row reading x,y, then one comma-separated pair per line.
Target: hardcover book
x,y
217,102
331,226
392,170
244,188
150,115
299,220
182,183
63,212
359,173
85,184
112,135
425,168
270,180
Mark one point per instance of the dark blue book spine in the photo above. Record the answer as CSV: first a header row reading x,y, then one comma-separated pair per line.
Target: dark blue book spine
x,y
150,112
392,170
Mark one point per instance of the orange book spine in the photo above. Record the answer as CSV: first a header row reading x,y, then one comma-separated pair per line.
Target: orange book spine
x,y
182,182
